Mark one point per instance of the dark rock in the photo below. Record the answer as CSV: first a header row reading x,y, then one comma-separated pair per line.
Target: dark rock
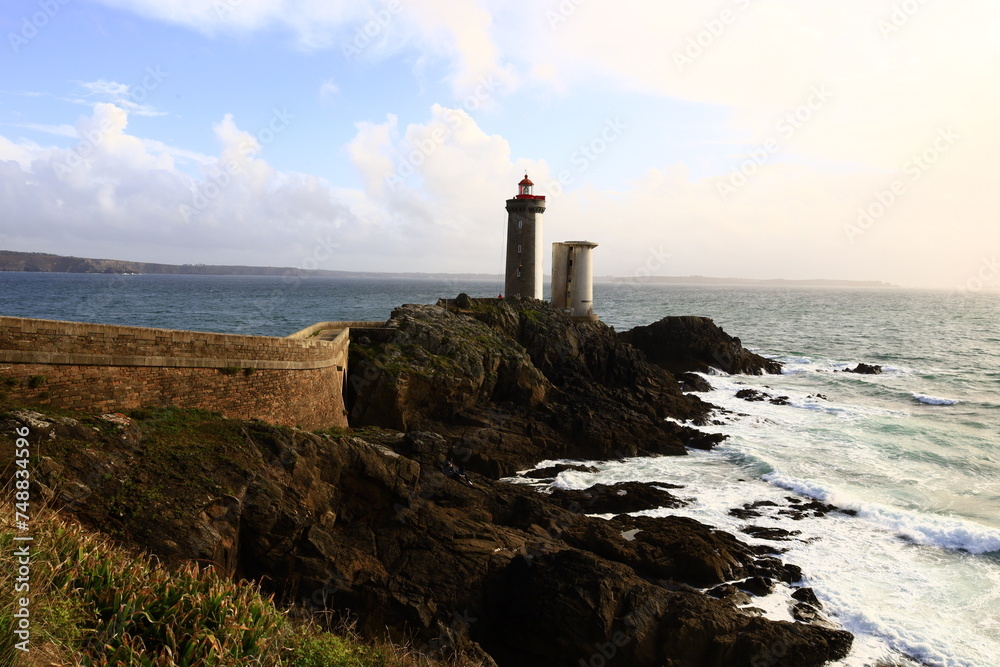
x,y
495,572
758,586
515,382
367,524
865,369
427,448
693,382
804,612
620,498
806,594
813,508
775,569
754,395
730,593
463,301
552,472
549,610
684,344
751,395
751,510
680,549
769,533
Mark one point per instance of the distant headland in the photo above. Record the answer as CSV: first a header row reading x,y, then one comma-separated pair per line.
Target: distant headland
x,y
38,262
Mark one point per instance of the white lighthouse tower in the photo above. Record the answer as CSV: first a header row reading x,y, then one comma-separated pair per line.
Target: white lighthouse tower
x,y
573,279
524,242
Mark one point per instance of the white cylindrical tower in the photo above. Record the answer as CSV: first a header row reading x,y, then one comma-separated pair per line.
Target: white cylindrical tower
x,y
582,285
560,275
573,278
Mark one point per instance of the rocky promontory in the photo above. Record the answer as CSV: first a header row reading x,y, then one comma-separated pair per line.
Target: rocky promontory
x,y
509,383
369,524
684,344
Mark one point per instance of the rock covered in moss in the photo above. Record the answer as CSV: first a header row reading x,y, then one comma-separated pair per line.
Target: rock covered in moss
x,y
512,382
495,573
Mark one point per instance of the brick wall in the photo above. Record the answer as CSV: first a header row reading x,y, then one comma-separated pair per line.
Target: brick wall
x,y
94,367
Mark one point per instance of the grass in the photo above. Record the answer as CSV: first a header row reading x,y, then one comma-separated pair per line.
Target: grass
x,y
95,604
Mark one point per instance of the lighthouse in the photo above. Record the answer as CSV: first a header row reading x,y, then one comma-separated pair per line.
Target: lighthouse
x,y
524,242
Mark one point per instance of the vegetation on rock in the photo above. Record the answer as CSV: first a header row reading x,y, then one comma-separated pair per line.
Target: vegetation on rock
x,y
96,603
365,526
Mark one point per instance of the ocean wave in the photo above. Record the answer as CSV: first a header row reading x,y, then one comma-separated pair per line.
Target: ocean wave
x,y
887,370
922,529
799,486
934,400
943,532
798,365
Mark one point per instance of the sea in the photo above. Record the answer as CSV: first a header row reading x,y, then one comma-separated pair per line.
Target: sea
x,y
914,452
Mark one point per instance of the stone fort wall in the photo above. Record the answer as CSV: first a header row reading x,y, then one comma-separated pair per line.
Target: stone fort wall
x,y
294,381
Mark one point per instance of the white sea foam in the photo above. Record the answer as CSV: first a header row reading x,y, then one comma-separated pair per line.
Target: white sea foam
x,y
866,596
801,487
915,574
923,529
934,400
944,532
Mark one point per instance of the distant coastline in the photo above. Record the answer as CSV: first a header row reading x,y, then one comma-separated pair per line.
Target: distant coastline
x,y
751,282
37,262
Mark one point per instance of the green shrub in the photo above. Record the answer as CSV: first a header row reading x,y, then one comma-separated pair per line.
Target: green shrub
x,y
326,650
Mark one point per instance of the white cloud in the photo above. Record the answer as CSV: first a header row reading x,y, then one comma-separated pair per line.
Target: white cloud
x,y
441,184
893,83
130,98
58,130
119,195
893,74
762,62
434,201
328,87
459,33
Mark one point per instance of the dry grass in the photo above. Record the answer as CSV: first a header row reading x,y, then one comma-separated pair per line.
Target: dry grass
x,y
94,603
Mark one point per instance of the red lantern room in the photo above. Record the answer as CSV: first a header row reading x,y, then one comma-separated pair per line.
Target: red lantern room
x,y
524,189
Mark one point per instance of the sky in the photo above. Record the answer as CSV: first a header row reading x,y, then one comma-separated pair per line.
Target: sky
x,y
798,139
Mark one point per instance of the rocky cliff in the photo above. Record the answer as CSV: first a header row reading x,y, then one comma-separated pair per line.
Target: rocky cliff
x,y
493,572
366,523
513,382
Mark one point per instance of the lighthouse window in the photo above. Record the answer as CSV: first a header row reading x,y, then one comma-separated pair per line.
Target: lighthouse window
x,y
519,249
519,273
520,223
